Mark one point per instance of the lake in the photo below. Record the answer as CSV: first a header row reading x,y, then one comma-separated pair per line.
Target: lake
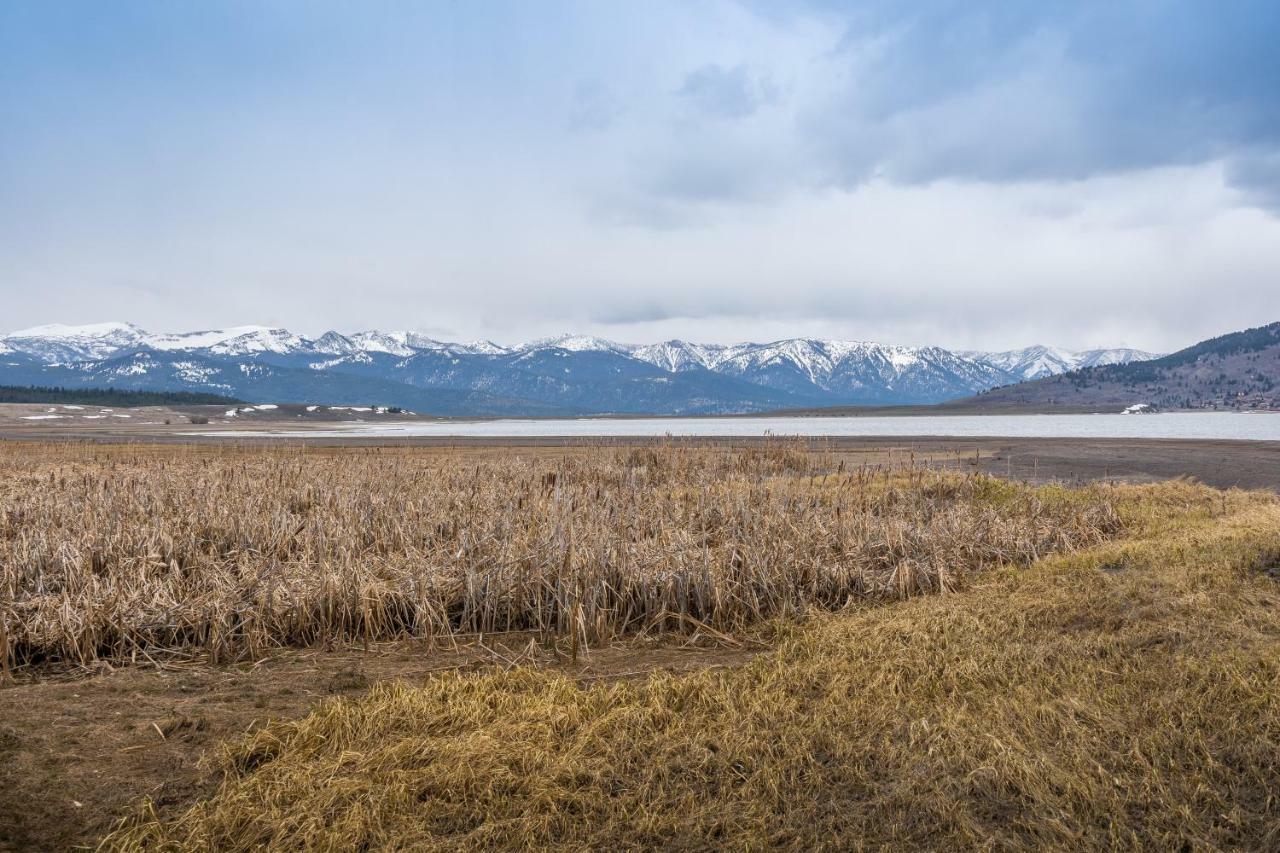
x,y
1201,425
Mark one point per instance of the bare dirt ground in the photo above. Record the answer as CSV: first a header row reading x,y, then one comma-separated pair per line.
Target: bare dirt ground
x,y
79,749
1223,464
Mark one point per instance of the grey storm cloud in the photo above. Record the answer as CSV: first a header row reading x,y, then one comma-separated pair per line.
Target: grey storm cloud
x,y
1007,92
1065,91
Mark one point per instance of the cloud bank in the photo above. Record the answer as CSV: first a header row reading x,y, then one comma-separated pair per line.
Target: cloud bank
x,y
956,173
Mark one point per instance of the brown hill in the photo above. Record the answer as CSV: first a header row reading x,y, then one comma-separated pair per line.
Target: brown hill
x,y
1237,371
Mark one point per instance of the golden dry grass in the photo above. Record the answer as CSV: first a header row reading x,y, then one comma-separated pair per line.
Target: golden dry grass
x,y
1124,697
125,552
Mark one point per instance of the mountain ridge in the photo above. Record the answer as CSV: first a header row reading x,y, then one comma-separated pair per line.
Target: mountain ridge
x,y
1235,371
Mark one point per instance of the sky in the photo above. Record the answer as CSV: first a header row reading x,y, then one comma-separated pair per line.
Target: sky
x,y
965,174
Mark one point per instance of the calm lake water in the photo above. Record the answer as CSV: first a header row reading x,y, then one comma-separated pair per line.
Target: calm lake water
x,y
1207,425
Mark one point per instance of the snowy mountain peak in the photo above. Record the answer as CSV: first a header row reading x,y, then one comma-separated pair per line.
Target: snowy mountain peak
x,y
483,347
334,343
1037,362
58,342
394,343
676,355
90,331
1115,355
405,344
237,340
575,343
817,359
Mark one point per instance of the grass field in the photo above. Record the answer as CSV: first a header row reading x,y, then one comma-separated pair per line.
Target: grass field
x,y
955,662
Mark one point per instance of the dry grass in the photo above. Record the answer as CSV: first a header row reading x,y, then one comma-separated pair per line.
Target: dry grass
x,y
119,553
1125,697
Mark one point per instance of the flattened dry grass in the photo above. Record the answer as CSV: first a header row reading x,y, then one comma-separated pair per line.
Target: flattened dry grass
x,y
1124,697
122,553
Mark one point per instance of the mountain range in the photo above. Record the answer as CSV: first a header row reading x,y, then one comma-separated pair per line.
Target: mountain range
x,y
566,375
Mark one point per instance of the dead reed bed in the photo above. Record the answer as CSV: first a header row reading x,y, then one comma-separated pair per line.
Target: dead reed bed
x,y
138,552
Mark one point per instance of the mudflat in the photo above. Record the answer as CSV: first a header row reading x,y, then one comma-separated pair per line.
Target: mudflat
x,y
1216,462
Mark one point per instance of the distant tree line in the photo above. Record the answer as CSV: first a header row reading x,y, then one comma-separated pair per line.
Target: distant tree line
x,y
108,396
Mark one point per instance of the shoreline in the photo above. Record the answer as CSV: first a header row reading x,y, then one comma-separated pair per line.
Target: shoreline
x,y
1222,463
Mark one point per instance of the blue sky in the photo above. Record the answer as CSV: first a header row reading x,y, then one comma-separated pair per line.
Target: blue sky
x,y
968,174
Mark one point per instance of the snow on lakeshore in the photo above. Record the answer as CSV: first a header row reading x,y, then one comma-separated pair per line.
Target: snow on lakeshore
x,y
257,407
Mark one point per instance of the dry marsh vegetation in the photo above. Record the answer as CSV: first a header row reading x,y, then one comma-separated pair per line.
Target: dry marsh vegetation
x,y
1122,694
1123,697
131,553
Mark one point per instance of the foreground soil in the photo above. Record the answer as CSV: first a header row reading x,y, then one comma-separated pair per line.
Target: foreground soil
x,y
79,749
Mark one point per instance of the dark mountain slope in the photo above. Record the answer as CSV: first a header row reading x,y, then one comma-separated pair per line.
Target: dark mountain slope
x,y
1240,370
260,382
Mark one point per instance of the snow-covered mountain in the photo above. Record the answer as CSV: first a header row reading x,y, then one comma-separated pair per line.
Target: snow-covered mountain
x,y
239,340
1038,362
57,342
566,374
1114,355
677,355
